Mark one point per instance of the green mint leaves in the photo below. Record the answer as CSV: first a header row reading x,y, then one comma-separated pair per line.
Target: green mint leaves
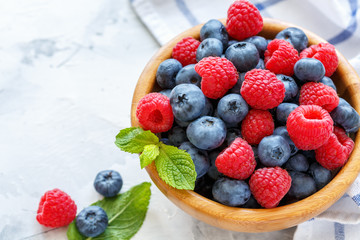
x,y
126,213
174,166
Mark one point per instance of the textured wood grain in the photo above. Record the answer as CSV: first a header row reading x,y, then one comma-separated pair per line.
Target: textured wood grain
x,y
258,220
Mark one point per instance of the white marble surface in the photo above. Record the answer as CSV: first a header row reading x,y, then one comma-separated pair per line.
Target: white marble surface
x,y
67,73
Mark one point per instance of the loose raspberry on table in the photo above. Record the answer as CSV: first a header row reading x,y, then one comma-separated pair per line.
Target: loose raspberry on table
x,y
243,20
185,51
154,113
313,93
237,161
56,209
280,57
261,89
336,151
218,76
256,125
325,53
269,185
309,126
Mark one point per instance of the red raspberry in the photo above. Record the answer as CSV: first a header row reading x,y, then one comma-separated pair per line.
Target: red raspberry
x,y
185,51
218,76
336,151
256,125
243,20
236,161
269,185
155,113
325,53
261,89
280,57
56,209
313,93
309,126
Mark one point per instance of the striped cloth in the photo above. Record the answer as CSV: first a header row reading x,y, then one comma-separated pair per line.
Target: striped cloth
x,y
335,20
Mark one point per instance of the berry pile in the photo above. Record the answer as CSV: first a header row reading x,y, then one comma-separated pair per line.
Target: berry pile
x,y
261,118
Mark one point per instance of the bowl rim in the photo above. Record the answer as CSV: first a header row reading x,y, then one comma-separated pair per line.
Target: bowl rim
x,y
255,220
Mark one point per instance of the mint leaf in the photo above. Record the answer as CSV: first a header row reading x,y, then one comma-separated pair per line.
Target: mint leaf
x,y
126,213
134,139
176,167
149,154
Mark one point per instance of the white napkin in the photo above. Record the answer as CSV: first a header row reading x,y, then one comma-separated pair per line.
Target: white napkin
x,y
334,20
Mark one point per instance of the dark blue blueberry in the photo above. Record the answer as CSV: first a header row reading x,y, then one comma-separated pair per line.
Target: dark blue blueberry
x,y
260,44
187,102
309,70
231,42
236,88
108,183
295,36
282,131
209,47
321,175
243,55
302,185
231,134
283,111
206,132
297,163
203,186
165,141
182,123
231,192
214,29
213,172
291,88
166,73
166,92
199,157
327,81
188,75
92,221
310,155
346,116
232,108
261,64
177,135
208,109
273,151
251,203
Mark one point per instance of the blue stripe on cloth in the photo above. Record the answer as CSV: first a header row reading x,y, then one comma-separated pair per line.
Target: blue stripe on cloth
x,y
339,231
265,4
350,29
356,199
186,12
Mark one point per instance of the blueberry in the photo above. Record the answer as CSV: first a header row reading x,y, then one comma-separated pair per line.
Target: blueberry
x,y
165,141
309,70
346,116
321,175
214,29
283,111
297,163
302,185
236,88
310,155
182,123
92,221
209,47
177,135
291,88
327,81
260,65
166,73
208,109
282,131
273,151
108,183
251,203
199,157
231,134
166,92
231,192
243,55
259,42
231,42
295,36
206,132
213,172
187,102
188,75
203,186
232,108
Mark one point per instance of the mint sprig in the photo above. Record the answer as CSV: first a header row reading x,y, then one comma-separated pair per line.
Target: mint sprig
x,y
174,166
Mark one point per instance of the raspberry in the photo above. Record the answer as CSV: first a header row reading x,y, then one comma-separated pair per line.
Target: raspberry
x,y
336,151
269,185
280,57
261,89
325,53
185,51
313,93
56,209
309,126
155,113
243,20
218,76
236,161
256,125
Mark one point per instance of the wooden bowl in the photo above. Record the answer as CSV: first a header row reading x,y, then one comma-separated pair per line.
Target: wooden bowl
x,y
257,220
